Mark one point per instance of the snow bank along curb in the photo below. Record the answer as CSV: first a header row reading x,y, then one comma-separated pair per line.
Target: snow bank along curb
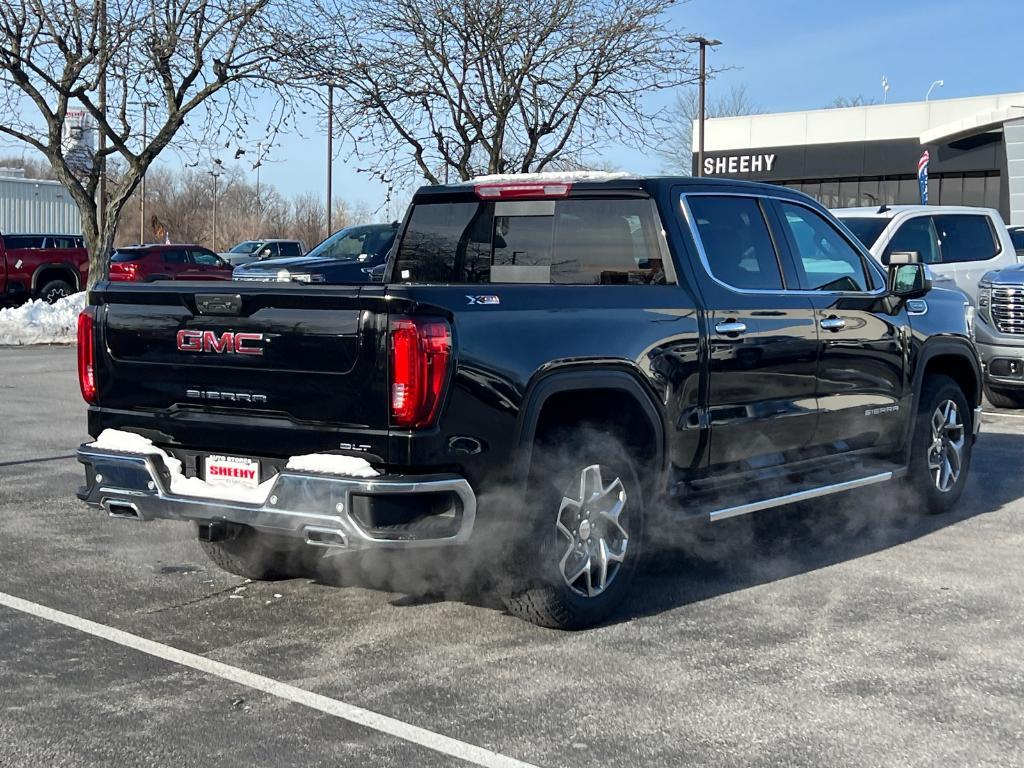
x,y
40,323
129,442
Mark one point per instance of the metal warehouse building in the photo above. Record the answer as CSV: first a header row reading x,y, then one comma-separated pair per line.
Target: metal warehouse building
x,y
869,155
36,205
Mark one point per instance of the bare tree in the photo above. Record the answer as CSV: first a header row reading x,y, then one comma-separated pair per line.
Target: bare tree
x,y
201,61
677,151
842,102
448,89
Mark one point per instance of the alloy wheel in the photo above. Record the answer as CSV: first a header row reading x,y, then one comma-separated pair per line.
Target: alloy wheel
x,y
945,454
590,524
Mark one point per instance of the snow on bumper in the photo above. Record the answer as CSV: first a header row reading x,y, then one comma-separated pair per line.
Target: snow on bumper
x,y
322,508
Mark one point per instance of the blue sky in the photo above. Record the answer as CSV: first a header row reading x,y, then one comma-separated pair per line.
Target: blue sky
x,y
791,55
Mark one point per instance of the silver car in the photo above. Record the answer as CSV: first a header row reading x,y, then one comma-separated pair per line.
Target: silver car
x,y
268,248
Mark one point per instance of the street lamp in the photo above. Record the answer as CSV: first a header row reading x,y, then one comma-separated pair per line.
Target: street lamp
x,y
703,42
216,175
939,83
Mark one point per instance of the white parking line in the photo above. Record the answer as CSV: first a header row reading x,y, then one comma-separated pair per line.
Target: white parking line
x,y
364,717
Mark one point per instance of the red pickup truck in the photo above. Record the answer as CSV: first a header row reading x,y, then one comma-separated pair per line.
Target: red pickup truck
x,y
44,266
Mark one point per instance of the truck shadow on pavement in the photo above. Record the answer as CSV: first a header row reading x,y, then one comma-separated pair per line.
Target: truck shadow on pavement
x,y
698,561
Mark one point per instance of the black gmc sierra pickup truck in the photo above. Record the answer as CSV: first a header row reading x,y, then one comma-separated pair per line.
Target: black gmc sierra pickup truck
x,y
574,361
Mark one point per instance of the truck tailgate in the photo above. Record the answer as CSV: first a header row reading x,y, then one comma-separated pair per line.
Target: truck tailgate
x,y
283,354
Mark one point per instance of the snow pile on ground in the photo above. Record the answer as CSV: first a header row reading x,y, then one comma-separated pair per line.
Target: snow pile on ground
x,y
40,323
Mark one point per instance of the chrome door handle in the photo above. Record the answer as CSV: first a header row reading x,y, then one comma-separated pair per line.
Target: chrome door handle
x,y
731,328
833,324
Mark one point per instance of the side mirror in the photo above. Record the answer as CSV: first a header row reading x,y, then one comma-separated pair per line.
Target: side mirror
x,y
909,281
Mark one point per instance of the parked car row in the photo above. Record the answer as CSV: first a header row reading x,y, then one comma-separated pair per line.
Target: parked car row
x,y
972,250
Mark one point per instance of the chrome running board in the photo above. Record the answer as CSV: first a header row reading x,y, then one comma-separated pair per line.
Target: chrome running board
x,y
805,495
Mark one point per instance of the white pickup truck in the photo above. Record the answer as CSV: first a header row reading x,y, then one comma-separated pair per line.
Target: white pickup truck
x,y
960,243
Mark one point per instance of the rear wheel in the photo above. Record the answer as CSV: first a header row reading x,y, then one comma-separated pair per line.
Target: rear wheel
x,y
1004,398
941,451
588,524
54,291
260,557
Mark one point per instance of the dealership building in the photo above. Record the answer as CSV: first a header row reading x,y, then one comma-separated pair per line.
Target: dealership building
x,y
869,155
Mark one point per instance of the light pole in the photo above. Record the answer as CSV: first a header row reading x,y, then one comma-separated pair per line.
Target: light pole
x,y
939,83
703,42
885,89
216,175
330,152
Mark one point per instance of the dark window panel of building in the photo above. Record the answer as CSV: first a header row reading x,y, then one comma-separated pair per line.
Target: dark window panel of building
x,y
869,192
951,190
993,187
974,189
909,194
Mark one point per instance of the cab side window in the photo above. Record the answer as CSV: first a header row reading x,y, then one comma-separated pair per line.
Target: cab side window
x,y
965,237
917,235
827,261
736,241
205,258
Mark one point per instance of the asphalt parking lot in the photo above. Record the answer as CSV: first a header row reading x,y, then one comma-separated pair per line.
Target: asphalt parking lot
x,y
855,634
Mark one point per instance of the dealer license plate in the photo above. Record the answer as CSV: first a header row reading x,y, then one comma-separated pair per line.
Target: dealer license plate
x,y
232,470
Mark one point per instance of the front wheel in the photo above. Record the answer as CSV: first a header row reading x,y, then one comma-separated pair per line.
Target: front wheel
x,y
588,525
1002,398
941,451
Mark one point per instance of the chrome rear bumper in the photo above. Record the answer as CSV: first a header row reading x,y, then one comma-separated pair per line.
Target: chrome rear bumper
x,y
314,507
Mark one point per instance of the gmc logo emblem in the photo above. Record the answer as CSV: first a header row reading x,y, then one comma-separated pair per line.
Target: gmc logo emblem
x,y
225,343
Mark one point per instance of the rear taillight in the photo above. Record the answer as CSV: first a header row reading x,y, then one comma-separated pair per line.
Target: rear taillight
x,y
421,352
87,354
124,271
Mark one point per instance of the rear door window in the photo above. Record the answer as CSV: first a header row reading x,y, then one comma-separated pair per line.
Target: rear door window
x,y
175,256
736,242
571,241
60,242
965,237
290,250
917,235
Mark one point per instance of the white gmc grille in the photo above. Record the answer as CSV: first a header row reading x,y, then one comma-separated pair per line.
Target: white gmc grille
x,y
1008,308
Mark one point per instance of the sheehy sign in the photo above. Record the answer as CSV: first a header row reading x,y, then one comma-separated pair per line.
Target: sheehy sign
x,y
737,164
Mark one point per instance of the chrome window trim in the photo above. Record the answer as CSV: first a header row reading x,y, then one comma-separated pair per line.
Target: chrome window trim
x,y
691,223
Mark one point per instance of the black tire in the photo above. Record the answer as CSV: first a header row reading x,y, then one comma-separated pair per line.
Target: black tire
x,y
55,290
542,595
260,557
926,473
1003,398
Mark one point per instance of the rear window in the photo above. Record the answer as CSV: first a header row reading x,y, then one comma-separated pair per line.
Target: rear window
x,y
1017,238
121,256
23,241
865,228
60,241
575,241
